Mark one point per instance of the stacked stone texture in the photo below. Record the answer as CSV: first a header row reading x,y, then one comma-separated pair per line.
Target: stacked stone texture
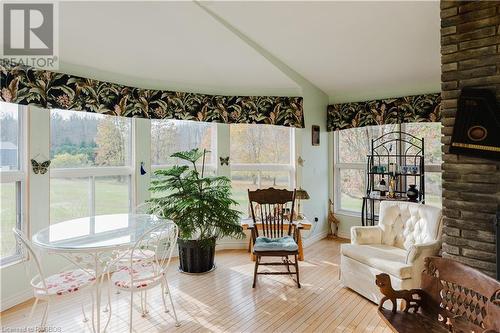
x,y
470,57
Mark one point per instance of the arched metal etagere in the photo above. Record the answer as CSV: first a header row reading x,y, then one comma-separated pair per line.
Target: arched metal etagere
x,y
394,154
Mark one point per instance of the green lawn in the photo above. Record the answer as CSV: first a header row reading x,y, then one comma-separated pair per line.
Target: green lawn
x,y
69,199
7,218
240,195
351,203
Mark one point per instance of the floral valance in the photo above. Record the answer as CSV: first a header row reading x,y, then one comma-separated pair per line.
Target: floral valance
x,y
27,85
417,108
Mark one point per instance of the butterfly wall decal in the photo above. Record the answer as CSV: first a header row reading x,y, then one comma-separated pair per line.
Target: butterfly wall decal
x,y
40,168
224,160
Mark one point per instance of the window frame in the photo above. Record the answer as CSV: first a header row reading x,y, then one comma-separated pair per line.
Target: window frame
x,y
19,178
211,166
290,168
263,167
338,166
94,172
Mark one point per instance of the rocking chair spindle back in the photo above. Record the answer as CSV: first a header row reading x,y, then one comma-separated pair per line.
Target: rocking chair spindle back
x,y
274,208
270,211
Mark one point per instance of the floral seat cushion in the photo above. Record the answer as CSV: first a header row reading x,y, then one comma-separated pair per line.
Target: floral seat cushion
x,y
143,274
65,282
264,244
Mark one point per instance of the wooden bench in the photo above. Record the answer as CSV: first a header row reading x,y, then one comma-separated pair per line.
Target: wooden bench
x,y
453,298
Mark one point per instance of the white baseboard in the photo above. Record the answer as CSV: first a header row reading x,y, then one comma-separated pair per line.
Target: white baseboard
x,y
314,238
15,299
344,235
238,244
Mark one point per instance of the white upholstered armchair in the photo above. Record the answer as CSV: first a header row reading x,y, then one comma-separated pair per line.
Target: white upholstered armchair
x,y
406,234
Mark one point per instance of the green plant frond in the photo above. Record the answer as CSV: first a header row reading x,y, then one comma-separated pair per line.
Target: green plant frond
x,y
200,206
175,171
192,155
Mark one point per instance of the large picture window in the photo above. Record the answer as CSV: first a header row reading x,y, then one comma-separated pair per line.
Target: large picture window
x,y
171,136
431,132
352,147
91,165
12,175
261,156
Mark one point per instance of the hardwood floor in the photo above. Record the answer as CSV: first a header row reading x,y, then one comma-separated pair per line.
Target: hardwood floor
x,y
224,301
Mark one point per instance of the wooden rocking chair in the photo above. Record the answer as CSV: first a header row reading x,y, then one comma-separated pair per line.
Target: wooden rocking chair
x,y
274,217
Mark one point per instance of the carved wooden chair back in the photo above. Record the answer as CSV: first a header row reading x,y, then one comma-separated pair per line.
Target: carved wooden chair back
x,y
273,209
467,299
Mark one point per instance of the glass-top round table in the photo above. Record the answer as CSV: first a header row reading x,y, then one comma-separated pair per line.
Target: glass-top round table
x,y
95,242
95,233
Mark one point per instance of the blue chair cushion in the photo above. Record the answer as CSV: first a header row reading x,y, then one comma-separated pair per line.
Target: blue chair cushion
x,y
286,243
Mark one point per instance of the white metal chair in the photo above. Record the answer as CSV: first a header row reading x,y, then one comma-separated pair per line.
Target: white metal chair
x,y
49,288
143,208
145,255
140,276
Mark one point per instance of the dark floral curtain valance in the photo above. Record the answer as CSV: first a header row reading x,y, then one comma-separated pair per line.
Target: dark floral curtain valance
x,y
417,108
27,85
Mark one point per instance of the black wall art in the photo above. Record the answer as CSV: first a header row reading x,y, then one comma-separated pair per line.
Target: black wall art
x,y
477,125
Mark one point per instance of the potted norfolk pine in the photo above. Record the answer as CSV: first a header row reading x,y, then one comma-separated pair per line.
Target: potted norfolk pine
x,y
200,205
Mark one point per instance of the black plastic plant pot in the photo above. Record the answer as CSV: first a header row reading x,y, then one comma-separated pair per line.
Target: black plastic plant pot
x,y
196,256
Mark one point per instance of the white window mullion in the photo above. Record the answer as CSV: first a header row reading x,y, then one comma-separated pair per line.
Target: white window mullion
x,y
351,166
292,147
92,195
261,167
89,172
132,196
20,208
11,176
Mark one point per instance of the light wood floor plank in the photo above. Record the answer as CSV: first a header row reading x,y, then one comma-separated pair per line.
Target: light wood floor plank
x,y
224,301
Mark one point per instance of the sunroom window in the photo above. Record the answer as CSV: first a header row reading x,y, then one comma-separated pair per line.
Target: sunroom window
x,y
171,136
431,132
91,165
351,147
12,176
261,157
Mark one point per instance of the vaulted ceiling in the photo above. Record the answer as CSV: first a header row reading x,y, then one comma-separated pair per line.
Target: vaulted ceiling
x,y
350,50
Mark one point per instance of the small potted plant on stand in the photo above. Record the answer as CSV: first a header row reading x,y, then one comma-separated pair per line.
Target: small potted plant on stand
x,y
201,207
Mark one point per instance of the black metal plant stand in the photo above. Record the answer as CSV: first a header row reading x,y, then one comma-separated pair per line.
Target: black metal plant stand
x,y
395,155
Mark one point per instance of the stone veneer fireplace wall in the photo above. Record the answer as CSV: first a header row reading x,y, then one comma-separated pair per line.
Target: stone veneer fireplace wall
x,y
470,57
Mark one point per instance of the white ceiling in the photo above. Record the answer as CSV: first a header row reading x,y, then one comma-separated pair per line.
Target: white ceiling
x,y
350,50
169,45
